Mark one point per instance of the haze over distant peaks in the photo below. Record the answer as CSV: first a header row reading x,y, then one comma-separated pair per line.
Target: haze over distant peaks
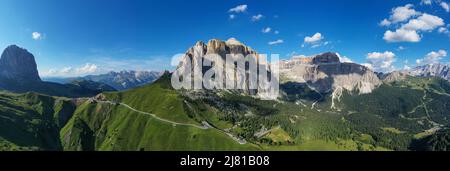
x,y
431,70
125,79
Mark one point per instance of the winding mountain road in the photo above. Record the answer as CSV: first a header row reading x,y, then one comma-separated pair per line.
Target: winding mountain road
x,y
205,126
154,116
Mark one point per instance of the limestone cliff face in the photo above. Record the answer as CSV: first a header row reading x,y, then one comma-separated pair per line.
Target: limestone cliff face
x,y
197,54
394,76
326,73
19,65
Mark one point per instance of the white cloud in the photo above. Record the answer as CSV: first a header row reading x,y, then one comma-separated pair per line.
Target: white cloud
x,y
344,59
88,68
232,16
385,22
266,30
400,48
445,6
442,30
276,32
257,17
381,62
315,45
425,22
36,36
410,24
313,39
400,14
368,65
66,70
406,67
176,59
279,41
432,57
402,35
107,63
426,2
238,9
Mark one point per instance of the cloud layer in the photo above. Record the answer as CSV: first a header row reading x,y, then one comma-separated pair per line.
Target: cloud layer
x,y
88,68
432,57
279,41
238,9
410,24
381,61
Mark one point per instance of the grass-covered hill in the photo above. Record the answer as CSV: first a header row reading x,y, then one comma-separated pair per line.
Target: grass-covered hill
x,y
32,121
396,116
103,126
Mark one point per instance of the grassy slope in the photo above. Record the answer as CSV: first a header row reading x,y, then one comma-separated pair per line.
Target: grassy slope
x,y
366,122
158,98
32,121
108,127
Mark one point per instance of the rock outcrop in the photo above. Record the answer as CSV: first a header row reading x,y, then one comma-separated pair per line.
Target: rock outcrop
x,y
326,58
197,54
394,76
17,64
326,73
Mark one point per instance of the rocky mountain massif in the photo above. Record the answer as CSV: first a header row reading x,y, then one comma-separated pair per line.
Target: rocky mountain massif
x,y
18,73
18,64
195,56
431,70
325,73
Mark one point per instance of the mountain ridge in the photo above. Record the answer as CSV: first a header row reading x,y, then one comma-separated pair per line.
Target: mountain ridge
x,y
431,70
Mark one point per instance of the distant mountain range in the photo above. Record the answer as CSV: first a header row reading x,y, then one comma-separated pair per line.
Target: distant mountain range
x,y
431,70
119,80
18,73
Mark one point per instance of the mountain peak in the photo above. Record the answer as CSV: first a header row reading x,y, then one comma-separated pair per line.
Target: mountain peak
x,y
199,43
432,70
326,73
18,64
326,58
233,41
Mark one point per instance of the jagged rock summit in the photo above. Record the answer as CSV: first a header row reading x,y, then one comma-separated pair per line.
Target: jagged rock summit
x,y
123,80
431,70
200,52
19,65
325,73
394,76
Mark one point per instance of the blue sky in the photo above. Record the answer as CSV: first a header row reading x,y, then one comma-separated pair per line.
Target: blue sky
x,y
79,37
